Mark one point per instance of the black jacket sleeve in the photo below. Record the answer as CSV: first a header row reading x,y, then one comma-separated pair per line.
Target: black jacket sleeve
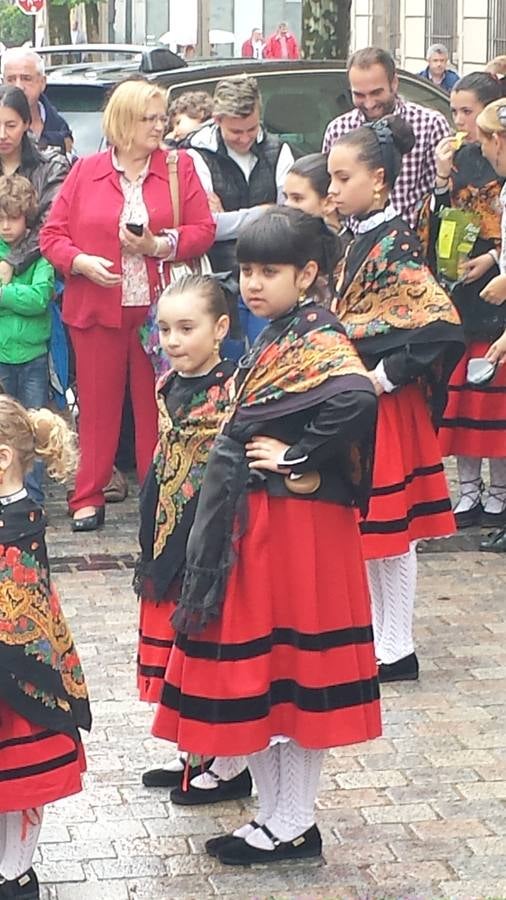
x,y
341,420
406,365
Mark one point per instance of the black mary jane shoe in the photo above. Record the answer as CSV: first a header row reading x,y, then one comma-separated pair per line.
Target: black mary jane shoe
x,y
168,778
90,523
470,517
240,853
234,789
214,845
405,669
26,887
495,542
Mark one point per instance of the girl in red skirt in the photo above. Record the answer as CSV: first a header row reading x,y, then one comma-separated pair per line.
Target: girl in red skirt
x,y
273,656
492,134
192,399
473,427
408,335
43,697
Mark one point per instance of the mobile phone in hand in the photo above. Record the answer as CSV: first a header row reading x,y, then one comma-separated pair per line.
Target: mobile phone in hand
x,y
480,370
138,230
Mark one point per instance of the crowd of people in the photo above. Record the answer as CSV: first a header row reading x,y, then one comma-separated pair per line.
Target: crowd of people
x,y
291,451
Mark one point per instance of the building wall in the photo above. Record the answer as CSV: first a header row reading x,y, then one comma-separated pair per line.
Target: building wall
x,y
476,24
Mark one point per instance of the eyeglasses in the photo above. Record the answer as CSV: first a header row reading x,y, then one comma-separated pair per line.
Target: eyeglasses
x,y
152,120
501,115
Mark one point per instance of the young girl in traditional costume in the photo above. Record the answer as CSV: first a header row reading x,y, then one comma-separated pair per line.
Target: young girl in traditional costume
x,y
274,657
472,428
492,135
408,335
192,399
43,697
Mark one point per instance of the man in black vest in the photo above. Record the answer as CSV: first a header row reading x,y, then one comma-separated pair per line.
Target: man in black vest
x,y
244,167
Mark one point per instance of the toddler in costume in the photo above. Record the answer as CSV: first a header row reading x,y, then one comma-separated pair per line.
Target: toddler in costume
x,y
43,697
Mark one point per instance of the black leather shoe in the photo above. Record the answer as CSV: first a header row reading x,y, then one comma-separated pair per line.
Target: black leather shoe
x,y
493,520
90,523
234,789
214,845
495,543
405,669
240,853
26,887
171,779
470,517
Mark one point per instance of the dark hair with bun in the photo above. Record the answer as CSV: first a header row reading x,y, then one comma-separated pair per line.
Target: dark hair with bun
x,y
375,141
286,236
484,86
314,168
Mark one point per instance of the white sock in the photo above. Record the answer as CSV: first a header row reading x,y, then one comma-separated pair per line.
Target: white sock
x,y
393,589
374,578
19,834
294,812
496,495
223,767
469,471
265,768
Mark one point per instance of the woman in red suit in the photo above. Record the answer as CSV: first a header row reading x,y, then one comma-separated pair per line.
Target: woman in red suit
x,y
111,276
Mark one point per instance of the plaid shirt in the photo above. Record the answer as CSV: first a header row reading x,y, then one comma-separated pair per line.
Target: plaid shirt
x,y
418,171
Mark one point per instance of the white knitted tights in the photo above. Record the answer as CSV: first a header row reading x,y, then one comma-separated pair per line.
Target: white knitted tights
x,y
392,583
19,833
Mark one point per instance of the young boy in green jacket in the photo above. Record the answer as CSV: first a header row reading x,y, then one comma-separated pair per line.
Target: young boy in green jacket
x,y
25,318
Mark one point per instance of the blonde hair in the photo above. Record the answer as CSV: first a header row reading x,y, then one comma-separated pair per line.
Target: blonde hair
x,y
38,434
497,66
492,119
237,96
125,107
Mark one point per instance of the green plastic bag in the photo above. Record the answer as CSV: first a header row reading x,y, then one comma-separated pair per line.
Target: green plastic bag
x,y
458,232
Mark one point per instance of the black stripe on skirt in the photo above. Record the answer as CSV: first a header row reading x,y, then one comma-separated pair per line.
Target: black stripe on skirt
x,y
399,486
327,640
39,768
479,424
430,508
247,709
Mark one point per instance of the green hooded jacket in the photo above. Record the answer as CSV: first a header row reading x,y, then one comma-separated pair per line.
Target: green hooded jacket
x,y
25,318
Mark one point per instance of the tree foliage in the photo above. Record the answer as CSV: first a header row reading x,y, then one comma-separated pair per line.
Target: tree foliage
x,y
15,27
326,29
58,17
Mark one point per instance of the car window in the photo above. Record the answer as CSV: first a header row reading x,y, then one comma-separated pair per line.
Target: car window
x,y
424,94
297,106
81,105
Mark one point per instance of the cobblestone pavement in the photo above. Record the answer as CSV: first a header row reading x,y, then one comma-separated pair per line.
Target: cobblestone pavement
x,y
419,813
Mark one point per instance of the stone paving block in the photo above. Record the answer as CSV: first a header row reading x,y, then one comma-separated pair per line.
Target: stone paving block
x,y
486,868
483,789
122,828
409,873
186,888
487,889
78,850
376,779
444,829
182,827
103,890
55,872
359,853
381,833
52,833
353,799
488,846
133,867
442,775
163,846
409,812
415,793
445,849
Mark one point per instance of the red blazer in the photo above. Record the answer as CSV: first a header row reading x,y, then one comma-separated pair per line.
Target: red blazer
x,y
273,47
85,217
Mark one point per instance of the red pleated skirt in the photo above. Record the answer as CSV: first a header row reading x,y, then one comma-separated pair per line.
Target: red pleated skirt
x,y
37,766
292,652
474,422
410,499
156,636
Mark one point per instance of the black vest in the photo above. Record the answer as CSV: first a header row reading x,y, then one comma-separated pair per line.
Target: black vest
x,y
235,192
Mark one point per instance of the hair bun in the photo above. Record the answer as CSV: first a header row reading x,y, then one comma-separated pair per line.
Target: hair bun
x,y
54,442
402,133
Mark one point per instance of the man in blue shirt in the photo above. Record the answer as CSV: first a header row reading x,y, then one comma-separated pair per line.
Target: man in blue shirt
x,y
24,68
437,69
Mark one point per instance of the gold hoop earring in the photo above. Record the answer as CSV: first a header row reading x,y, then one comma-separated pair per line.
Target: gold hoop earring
x,y
376,196
302,296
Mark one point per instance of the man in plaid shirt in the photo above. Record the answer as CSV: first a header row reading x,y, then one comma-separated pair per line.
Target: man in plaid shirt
x,y
374,85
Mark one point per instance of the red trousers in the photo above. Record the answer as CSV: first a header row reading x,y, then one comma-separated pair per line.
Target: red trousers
x,y
105,358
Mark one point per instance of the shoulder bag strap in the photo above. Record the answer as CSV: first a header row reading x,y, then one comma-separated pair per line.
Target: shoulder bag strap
x,y
174,186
